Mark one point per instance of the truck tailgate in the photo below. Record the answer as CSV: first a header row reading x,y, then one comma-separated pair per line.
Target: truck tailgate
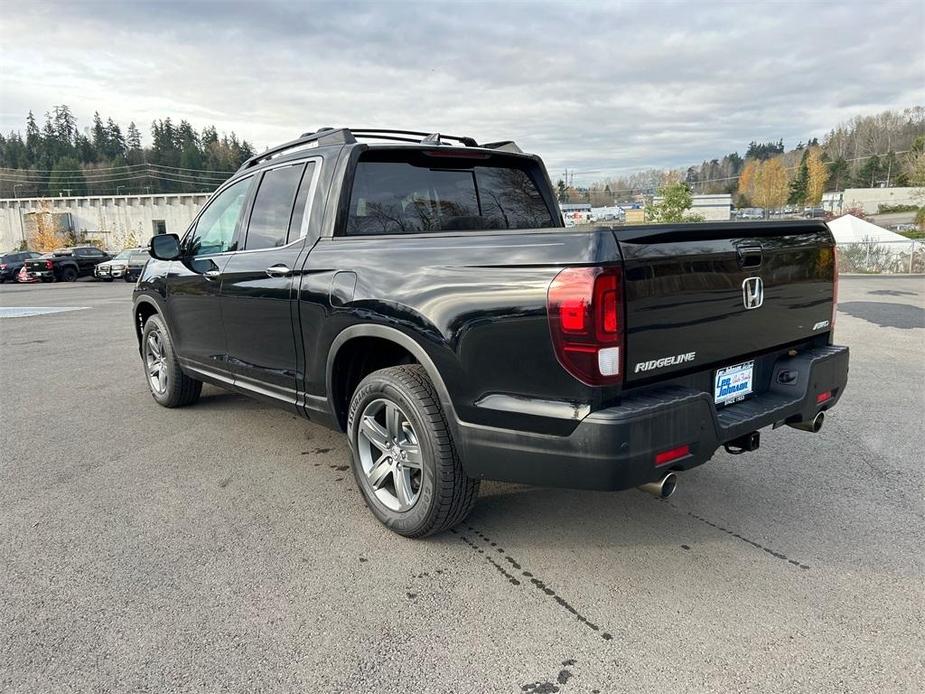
x,y
712,294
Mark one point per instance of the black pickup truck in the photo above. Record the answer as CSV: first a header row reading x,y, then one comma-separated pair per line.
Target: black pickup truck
x,y
66,264
425,298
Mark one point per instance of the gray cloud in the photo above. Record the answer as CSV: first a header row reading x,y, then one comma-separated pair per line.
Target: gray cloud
x,y
594,87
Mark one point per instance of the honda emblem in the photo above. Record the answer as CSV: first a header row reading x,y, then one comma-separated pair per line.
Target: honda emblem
x,y
753,292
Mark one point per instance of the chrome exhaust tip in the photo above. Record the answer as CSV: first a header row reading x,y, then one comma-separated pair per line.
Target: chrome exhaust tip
x,y
813,426
663,488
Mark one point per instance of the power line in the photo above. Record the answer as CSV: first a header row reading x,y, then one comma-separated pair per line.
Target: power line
x,y
107,178
112,168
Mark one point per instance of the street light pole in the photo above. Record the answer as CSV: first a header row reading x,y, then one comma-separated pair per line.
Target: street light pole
x,y
15,186
118,188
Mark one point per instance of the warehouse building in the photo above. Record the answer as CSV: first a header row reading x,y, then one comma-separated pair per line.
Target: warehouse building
x,y
110,219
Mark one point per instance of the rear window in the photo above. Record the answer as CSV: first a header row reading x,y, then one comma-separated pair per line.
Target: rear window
x,y
435,194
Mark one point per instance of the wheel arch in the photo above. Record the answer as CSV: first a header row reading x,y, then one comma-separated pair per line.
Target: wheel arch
x,y
402,341
144,308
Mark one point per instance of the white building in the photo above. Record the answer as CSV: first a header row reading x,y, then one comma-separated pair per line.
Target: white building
x,y
870,199
110,218
713,208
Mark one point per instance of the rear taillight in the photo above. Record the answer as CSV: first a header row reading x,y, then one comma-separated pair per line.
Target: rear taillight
x,y
49,265
585,308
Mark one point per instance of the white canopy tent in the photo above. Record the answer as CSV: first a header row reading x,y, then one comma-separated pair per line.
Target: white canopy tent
x,y
865,247
850,229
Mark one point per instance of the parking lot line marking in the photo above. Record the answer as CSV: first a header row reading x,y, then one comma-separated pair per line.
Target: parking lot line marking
x,y
28,311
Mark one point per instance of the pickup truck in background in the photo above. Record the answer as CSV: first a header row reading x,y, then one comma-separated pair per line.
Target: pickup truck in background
x,y
66,264
424,298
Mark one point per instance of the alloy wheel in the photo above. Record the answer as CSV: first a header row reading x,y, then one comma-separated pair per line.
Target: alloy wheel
x,y
155,362
390,454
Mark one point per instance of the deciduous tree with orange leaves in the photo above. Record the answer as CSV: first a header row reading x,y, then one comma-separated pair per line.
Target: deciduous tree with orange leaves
x,y
818,177
770,184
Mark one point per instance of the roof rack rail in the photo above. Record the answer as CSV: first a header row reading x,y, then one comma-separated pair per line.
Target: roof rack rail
x,y
322,136
348,136
412,136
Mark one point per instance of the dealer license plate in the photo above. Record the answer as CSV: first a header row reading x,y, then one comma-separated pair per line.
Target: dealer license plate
x,y
733,383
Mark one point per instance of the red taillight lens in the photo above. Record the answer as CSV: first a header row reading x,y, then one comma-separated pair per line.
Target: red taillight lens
x,y
585,305
823,397
49,265
672,454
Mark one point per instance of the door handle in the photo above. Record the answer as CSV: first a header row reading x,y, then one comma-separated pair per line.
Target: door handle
x,y
212,274
278,271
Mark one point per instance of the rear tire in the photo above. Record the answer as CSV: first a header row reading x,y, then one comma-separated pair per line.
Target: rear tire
x,y
69,274
169,386
418,448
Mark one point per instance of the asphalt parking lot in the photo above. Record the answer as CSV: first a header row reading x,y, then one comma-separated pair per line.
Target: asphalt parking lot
x,y
224,547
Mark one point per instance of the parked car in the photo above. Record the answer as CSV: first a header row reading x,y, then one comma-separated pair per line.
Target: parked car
x,y
115,268
814,213
11,263
66,264
136,263
426,300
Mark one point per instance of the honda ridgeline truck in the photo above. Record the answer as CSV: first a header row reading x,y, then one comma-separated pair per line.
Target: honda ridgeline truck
x,y
421,294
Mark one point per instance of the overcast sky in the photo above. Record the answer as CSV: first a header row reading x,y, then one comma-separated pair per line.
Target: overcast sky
x,y
599,88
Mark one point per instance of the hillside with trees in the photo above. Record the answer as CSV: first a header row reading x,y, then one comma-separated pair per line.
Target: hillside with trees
x,y
61,158
886,149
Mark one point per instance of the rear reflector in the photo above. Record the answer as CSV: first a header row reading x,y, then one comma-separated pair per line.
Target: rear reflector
x,y
823,397
672,454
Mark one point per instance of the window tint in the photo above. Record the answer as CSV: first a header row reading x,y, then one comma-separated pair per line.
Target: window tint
x,y
214,231
269,224
401,197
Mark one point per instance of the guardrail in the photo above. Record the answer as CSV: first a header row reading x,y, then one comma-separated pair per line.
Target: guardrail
x,y
882,257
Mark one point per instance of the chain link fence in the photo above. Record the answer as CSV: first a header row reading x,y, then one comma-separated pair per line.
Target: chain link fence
x,y
882,257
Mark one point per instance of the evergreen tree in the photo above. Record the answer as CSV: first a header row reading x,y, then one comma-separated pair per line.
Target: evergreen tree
x,y
66,178
798,186
869,173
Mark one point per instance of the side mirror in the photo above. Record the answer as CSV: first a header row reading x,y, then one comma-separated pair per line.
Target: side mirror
x,y
165,247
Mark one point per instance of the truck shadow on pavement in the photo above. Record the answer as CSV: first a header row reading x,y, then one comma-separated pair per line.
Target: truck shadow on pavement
x,y
886,315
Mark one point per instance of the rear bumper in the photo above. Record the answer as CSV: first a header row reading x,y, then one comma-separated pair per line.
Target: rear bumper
x,y
615,448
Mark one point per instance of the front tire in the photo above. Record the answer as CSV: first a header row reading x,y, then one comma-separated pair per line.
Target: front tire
x,y
404,458
168,384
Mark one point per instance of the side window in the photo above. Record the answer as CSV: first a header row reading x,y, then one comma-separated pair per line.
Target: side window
x,y
272,209
295,224
214,232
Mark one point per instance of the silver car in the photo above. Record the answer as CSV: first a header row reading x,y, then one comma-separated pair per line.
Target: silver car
x,y
115,268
